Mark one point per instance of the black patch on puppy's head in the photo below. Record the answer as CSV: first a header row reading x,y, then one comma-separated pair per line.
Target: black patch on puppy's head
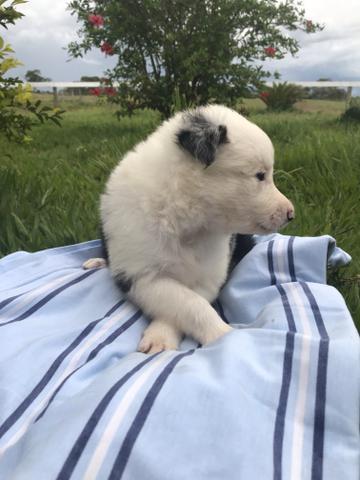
x,y
201,138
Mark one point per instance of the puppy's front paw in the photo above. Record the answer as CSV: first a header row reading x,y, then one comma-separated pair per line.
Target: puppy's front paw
x,y
94,263
213,334
159,336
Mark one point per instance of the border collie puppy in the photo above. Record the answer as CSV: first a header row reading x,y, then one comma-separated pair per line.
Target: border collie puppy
x,y
170,210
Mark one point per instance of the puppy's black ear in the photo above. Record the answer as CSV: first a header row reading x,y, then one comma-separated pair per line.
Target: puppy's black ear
x,y
201,139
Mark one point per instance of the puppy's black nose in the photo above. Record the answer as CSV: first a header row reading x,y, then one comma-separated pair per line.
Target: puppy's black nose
x,y
290,215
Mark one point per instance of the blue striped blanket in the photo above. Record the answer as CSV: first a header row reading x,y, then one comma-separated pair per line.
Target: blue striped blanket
x,y
277,398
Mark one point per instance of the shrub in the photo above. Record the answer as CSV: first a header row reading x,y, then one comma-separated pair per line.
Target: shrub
x,y
281,96
241,108
15,97
352,113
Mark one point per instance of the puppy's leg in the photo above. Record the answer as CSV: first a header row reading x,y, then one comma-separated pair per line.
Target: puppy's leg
x,y
98,262
160,335
94,263
168,301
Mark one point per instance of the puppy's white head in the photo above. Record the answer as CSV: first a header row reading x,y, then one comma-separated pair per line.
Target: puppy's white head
x,y
233,159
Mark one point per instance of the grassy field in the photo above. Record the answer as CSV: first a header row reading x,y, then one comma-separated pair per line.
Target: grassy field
x,y
50,187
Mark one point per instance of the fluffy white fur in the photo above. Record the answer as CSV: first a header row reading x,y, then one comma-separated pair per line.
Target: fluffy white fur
x,y
168,220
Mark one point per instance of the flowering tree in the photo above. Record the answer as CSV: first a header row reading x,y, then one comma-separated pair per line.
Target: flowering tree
x,y
203,50
15,97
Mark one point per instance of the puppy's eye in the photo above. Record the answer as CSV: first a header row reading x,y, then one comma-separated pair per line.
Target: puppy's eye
x,y
260,176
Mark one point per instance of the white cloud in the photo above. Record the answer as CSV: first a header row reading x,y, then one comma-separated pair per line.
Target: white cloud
x,y
40,39
334,52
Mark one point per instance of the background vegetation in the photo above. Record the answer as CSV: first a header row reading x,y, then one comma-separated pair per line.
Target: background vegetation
x,y
201,51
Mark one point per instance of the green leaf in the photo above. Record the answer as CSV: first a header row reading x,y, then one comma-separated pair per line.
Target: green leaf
x,y
45,196
20,225
55,120
19,2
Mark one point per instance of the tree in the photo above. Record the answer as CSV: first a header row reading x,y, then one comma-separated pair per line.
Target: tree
x,y
86,78
15,97
35,76
327,93
201,51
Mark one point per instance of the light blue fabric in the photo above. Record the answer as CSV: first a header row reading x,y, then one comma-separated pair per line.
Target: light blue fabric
x,y
277,398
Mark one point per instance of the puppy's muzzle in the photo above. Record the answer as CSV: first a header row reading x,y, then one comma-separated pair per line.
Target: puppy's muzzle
x,y
290,214
282,215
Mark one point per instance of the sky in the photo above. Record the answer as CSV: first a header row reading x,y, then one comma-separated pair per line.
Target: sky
x,y
40,39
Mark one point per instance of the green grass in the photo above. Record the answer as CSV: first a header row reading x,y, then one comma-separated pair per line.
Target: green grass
x,y
330,107
50,188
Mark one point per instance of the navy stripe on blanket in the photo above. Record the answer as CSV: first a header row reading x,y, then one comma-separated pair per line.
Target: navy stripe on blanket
x,y
81,442
287,363
93,354
285,387
291,259
135,429
271,262
9,300
24,405
319,421
115,334
48,297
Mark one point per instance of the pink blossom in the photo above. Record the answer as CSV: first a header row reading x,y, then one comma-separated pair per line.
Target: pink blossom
x,y
270,51
309,26
107,48
96,20
110,91
95,91
264,96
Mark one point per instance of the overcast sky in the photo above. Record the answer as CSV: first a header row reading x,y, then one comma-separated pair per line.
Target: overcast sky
x,y
40,37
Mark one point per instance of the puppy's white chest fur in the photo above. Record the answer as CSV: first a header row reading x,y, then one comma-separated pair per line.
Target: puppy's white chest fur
x,y
202,264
